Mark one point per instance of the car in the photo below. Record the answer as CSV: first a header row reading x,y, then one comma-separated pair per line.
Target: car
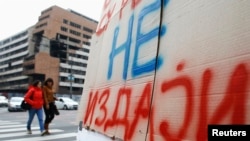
x,y
3,101
59,104
15,104
66,103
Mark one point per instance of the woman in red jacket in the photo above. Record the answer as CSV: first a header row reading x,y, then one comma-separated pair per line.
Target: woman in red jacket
x,y
34,97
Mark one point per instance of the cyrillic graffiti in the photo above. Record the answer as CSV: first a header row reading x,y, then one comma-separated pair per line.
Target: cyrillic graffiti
x,y
234,96
141,38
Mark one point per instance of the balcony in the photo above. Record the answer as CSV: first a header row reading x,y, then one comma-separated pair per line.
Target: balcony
x,y
28,72
28,62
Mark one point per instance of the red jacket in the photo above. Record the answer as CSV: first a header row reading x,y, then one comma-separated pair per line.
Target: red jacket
x,y
34,97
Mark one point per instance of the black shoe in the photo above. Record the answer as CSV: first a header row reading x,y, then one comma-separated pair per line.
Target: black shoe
x,y
57,112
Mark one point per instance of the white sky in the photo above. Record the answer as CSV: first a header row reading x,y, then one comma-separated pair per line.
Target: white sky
x,y
17,15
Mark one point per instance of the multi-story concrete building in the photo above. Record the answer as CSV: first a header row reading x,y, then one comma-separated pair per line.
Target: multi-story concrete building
x,y
13,50
59,49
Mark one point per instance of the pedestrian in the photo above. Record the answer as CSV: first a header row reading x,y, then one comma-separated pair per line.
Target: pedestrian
x,y
50,108
34,97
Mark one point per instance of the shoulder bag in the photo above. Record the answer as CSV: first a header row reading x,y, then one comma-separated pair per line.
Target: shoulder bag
x,y
25,105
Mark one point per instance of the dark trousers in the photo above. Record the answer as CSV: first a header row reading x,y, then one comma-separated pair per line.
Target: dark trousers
x,y
49,113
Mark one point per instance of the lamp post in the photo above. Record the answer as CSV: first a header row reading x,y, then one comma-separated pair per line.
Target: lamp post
x,y
71,77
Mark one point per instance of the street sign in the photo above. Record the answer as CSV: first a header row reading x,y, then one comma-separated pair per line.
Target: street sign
x,y
71,77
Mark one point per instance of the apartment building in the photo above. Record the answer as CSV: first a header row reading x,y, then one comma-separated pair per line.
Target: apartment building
x,y
59,48
13,50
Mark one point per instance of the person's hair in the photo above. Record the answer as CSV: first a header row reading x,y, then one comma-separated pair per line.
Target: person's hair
x,y
35,83
48,80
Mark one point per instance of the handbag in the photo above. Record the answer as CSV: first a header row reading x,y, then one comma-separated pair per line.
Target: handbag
x,y
25,105
56,110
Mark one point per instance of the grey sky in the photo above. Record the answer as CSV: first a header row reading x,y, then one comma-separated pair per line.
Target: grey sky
x,y
17,15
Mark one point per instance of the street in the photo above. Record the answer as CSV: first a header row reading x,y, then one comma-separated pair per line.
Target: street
x,y
13,127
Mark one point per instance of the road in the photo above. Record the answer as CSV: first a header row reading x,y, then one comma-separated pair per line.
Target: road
x,y
13,127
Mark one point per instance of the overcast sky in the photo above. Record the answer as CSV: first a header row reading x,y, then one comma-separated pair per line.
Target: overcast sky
x,y
17,15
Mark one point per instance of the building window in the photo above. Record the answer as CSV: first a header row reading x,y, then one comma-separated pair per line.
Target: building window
x,y
64,29
74,40
65,21
86,43
41,25
86,50
19,36
75,33
6,41
75,25
88,29
42,18
86,36
85,57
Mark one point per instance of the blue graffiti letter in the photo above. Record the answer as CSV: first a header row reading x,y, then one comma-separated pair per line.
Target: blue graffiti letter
x,y
144,38
125,46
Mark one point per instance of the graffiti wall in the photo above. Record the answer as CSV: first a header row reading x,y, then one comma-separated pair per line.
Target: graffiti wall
x,y
163,70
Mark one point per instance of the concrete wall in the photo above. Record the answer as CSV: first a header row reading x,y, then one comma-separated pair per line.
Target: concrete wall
x,y
164,70
49,66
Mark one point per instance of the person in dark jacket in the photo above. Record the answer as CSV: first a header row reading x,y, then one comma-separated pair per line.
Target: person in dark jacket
x,y
34,97
50,108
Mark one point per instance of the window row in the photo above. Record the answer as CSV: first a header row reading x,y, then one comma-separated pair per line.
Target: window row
x,y
74,32
85,50
42,18
12,60
10,67
77,80
73,71
14,37
13,82
86,43
79,56
14,45
87,29
64,29
41,25
77,26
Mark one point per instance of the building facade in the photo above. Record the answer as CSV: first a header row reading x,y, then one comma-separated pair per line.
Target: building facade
x,y
59,48
13,50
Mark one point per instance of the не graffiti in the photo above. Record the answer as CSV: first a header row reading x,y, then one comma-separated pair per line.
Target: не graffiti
x,y
234,102
141,38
